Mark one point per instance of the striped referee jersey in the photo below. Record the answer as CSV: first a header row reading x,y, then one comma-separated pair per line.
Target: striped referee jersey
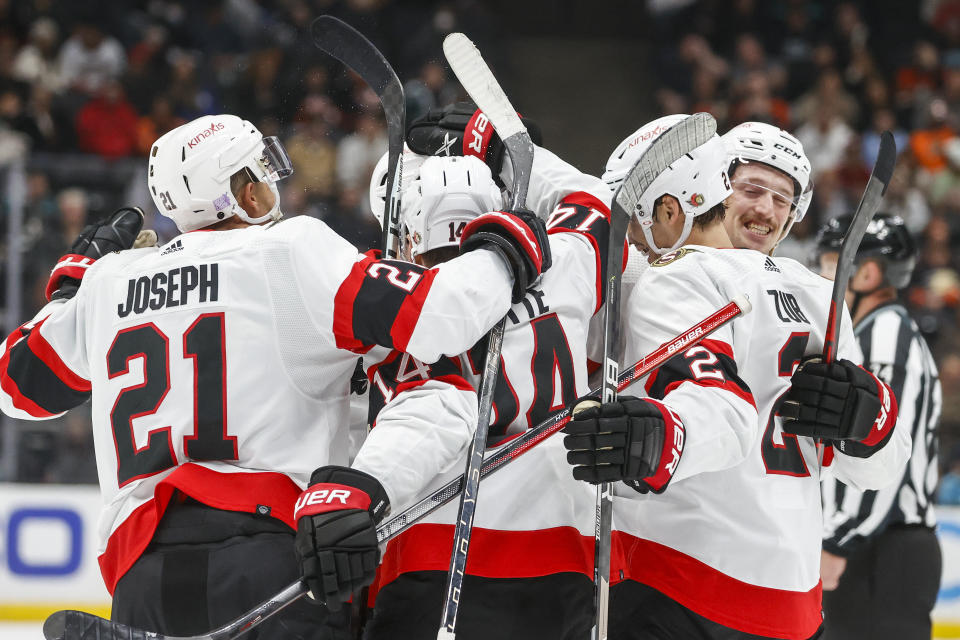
x,y
896,352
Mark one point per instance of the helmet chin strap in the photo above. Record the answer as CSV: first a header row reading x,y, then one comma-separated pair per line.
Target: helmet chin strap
x,y
786,230
270,216
684,234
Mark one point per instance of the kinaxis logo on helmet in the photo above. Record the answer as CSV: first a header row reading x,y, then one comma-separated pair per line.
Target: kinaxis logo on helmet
x,y
206,133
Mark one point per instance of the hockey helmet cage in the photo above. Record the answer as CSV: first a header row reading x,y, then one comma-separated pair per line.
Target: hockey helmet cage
x,y
774,147
378,180
886,239
698,181
628,151
448,192
190,167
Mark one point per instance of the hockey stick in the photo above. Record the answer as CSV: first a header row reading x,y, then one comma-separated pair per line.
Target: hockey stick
x,y
869,203
475,76
680,139
79,625
341,41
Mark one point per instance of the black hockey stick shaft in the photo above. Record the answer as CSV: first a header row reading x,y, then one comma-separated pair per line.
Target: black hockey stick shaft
x,y
475,76
79,625
341,41
869,204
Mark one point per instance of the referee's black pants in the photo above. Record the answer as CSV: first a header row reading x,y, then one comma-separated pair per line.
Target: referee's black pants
x,y
205,567
888,588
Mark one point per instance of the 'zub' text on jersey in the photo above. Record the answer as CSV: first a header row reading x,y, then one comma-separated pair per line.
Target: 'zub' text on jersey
x,y
171,288
788,309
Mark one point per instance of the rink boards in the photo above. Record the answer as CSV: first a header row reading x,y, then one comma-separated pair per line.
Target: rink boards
x,y
48,551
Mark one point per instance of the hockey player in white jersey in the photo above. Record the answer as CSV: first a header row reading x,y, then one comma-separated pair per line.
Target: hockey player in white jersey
x,y
730,547
218,370
530,548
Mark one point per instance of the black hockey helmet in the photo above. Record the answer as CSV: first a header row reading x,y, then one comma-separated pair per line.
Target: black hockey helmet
x,y
886,240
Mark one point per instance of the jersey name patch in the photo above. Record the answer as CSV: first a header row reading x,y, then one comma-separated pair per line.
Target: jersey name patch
x,y
673,256
173,288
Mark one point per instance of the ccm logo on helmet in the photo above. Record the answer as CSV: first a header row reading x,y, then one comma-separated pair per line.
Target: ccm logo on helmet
x,y
206,133
786,150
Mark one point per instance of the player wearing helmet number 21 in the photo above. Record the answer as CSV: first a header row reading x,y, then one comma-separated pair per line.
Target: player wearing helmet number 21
x,y
717,519
218,369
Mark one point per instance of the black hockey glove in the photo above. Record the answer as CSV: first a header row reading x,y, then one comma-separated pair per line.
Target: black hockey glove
x,y
521,238
637,440
96,240
337,520
839,402
461,130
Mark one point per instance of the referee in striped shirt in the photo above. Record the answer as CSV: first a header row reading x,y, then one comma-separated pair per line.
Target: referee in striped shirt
x,y
881,560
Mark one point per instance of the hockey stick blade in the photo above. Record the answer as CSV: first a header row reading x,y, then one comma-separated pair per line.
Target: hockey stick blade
x,y
341,41
80,625
479,82
869,204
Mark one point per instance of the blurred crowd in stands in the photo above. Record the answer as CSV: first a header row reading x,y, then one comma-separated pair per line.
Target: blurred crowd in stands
x,y
85,88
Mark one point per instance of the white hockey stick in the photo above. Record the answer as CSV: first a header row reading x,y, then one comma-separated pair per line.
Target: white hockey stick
x,y
479,82
80,625
672,145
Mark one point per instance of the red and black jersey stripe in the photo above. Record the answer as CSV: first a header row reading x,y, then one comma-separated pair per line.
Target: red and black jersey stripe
x,y
587,215
379,303
709,364
387,379
36,378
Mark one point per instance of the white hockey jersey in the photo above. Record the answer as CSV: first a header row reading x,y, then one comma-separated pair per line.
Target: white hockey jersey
x,y
532,517
736,535
220,364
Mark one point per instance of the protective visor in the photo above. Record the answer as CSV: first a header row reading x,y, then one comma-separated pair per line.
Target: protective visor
x,y
754,190
275,162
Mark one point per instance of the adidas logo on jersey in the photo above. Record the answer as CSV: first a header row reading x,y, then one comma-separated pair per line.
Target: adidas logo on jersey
x,y
770,265
177,245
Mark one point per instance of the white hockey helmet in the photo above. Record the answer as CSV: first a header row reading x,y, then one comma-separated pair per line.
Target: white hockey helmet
x,y
762,142
628,152
190,168
698,181
447,193
378,180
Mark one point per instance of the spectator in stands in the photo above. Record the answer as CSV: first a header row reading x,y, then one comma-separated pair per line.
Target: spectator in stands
x,y
927,142
825,137
107,125
36,62
156,123
90,59
315,157
358,152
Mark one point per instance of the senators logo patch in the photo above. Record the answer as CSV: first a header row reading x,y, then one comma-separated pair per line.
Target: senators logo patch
x,y
673,256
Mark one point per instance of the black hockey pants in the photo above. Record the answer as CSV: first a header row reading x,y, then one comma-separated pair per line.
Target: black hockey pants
x,y
639,612
888,589
205,567
553,607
